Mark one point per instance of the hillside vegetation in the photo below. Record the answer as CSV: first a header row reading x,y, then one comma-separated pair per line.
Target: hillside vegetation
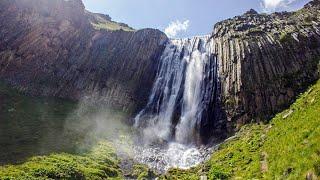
x,y
100,163
286,148
104,22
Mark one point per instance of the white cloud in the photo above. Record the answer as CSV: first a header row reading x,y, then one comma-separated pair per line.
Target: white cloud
x,y
273,5
175,27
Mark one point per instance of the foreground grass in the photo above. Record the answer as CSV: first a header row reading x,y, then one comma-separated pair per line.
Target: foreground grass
x,y
286,148
100,163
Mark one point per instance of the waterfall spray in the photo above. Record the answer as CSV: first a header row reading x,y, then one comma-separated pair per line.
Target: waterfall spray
x,y
181,95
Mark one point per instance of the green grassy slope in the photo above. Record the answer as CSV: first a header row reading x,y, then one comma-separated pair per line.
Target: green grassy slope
x,y
100,163
103,22
110,25
286,148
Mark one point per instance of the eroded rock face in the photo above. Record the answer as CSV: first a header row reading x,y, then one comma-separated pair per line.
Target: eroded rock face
x,y
265,61
50,48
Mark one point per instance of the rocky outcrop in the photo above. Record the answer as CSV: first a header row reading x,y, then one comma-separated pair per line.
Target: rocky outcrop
x,y
51,48
266,61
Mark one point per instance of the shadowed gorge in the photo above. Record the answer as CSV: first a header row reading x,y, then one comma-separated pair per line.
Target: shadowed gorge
x,y
78,82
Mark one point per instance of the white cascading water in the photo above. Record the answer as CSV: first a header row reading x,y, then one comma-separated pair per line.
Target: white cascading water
x,y
157,115
192,96
174,110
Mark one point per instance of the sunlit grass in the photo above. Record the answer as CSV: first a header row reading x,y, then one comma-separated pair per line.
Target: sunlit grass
x,y
111,26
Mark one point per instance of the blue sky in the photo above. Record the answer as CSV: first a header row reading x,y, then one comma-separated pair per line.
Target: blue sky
x,y
183,18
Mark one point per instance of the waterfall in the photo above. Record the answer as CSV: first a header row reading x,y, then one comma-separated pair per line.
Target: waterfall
x,y
182,93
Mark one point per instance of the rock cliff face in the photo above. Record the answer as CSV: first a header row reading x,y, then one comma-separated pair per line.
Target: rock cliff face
x,y
57,48
265,61
51,48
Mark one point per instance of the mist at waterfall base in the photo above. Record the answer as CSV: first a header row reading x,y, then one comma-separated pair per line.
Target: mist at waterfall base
x,y
90,124
170,125
95,122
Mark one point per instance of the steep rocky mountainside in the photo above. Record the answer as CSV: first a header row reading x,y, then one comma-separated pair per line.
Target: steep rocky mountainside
x,y
57,48
53,48
266,60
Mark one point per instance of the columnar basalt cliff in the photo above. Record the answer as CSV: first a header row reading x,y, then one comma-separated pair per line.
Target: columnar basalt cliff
x,y
52,48
57,48
265,61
